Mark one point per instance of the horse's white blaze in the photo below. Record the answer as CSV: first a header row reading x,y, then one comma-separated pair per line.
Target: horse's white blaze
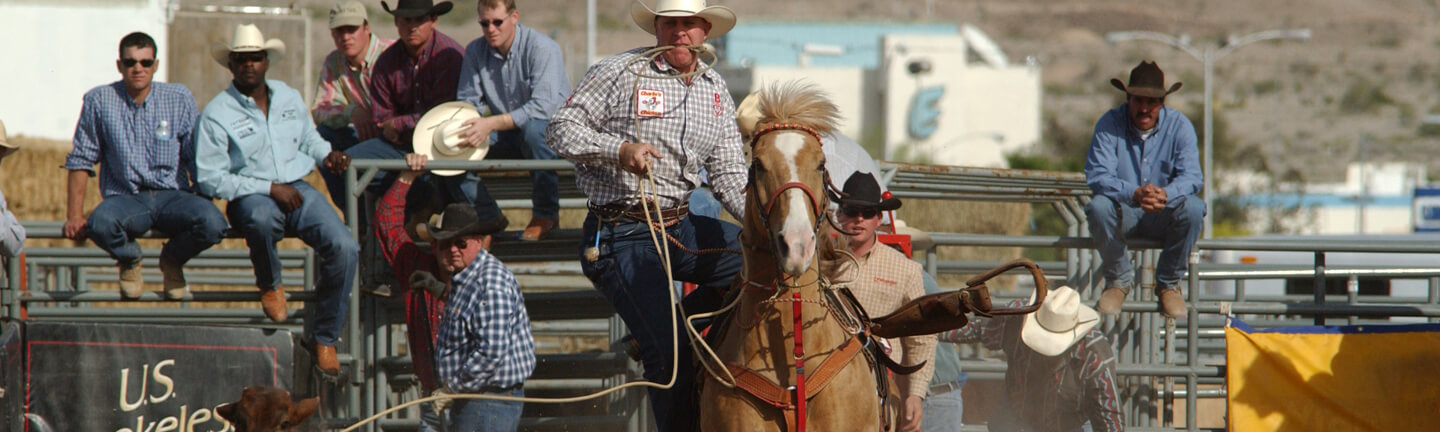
x,y
798,233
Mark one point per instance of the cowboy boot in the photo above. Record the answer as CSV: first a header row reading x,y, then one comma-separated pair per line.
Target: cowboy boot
x,y
538,229
132,283
326,360
1172,304
273,303
174,279
1112,299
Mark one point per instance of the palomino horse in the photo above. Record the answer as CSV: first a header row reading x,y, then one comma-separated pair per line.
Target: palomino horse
x,y
785,270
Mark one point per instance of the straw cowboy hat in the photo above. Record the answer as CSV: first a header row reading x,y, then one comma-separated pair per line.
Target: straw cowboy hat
x,y
721,18
747,114
5,142
1061,321
1146,80
247,38
437,135
919,240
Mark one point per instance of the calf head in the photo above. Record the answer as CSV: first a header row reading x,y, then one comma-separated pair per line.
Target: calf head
x,y
267,409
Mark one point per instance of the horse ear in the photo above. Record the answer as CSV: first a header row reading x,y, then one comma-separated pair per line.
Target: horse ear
x,y
302,410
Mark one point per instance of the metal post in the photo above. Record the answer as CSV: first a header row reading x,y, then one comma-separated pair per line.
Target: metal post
x,y
1192,344
1319,286
589,31
359,403
1208,172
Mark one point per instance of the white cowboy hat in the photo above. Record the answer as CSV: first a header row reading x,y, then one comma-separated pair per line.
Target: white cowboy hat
x,y
247,38
5,142
919,240
1061,321
747,114
721,18
437,135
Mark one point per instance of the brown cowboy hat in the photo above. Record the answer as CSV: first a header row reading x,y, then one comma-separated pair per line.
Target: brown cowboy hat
x,y
417,8
460,219
1146,80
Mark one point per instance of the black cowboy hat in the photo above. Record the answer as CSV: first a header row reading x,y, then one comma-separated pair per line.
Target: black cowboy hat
x,y
417,8
861,190
460,219
1146,80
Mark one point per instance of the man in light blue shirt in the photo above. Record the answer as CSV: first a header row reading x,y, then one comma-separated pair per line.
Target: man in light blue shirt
x,y
1144,169
140,133
518,75
255,142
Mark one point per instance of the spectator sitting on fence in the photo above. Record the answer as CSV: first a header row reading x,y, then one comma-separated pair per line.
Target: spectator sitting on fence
x,y
517,74
1144,170
595,129
342,104
400,220
417,73
141,133
484,343
883,280
255,143
1061,370
12,234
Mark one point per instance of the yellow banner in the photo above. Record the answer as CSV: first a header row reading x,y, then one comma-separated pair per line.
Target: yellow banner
x,y
1360,378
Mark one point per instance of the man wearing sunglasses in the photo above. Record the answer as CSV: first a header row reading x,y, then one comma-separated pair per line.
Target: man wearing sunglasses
x,y
255,143
884,280
139,132
518,74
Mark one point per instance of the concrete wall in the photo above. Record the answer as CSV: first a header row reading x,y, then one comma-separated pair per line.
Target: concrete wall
x,y
194,33
62,48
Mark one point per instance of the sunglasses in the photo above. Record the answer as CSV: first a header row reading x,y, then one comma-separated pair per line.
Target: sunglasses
x,y
866,212
491,23
129,62
256,57
462,242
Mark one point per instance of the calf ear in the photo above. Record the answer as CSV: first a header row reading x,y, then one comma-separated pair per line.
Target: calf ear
x,y
302,410
226,411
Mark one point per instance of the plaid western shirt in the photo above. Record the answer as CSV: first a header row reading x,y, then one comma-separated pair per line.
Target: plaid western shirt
x,y
343,88
884,281
691,125
147,146
405,87
484,342
422,311
1056,393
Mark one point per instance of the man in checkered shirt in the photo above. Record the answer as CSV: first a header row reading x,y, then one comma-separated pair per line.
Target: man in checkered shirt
x,y
484,344
685,123
139,132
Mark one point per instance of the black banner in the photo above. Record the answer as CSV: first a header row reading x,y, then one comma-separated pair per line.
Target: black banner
x,y
147,378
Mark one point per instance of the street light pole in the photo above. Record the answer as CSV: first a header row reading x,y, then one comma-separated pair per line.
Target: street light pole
x,y
1207,57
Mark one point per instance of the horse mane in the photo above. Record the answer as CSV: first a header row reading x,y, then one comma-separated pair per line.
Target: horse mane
x,y
800,102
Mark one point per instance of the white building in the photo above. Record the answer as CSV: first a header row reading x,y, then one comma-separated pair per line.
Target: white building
x,y
1375,198
936,93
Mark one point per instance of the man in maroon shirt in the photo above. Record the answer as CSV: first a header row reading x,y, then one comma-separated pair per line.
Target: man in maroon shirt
x,y
415,74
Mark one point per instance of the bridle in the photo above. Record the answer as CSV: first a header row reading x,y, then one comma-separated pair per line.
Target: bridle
x,y
817,206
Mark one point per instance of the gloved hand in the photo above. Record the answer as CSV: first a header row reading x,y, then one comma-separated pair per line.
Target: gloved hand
x,y
426,281
440,404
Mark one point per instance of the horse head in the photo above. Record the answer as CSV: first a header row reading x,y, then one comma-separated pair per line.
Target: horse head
x,y
267,409
787,195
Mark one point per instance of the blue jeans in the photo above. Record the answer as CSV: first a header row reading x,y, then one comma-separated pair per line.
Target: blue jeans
x,y
528,142
629,274
340,139
261,221
1176,227
429,421
703,203
944,412
486,415
192,223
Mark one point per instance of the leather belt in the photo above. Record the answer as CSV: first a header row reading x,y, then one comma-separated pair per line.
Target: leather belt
x,y
942,388
636,213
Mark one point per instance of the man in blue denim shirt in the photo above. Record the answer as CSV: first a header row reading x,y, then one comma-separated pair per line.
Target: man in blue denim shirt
x,y
519,75
1144,169
255,142
139,131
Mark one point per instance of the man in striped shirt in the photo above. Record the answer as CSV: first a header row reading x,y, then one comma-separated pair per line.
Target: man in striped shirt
x,y
685,123
342,104
139,132
1061,368
484,344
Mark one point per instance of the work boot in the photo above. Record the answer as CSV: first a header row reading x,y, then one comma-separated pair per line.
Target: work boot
x,y
538,229
1112,299
273,303
1172,304
629,346
325,359
174,279
132,284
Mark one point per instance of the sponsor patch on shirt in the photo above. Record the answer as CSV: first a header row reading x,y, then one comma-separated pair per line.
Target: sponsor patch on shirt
x,y
651,103
243,128
289,114
719,106
886,281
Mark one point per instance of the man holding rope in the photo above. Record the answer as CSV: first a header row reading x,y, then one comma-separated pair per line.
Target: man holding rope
x,y
662,119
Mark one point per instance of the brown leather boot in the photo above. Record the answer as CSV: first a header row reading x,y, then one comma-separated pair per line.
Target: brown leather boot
x,y
132,283
174,279
273,303
538,229
1172,304
1112,299
325,359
